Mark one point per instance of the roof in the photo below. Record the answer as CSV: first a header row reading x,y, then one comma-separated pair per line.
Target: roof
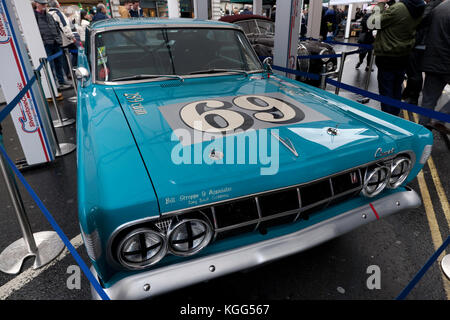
x,y
240,17
152,21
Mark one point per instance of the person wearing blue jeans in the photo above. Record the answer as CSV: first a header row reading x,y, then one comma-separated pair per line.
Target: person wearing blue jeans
x,y
432,91
51,38
436,65
391,74
394,41
56,64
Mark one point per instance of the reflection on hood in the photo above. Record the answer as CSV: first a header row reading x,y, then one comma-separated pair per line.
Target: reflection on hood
x,y
415,7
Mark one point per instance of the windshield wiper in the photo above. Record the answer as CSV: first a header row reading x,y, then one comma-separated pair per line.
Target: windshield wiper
x,y
150,76
219,71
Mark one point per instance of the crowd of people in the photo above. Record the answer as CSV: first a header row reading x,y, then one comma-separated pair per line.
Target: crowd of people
x,y
412,38
59,32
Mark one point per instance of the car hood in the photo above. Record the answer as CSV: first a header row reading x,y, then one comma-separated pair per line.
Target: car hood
x,y
188,169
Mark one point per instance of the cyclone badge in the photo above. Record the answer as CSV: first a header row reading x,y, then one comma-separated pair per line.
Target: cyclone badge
x,y
5,32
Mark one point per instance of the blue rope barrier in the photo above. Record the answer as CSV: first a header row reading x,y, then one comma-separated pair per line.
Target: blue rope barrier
x,y
423,270
10,106
56,227
298,73
3,114
362,45
54,56
392,102
320,56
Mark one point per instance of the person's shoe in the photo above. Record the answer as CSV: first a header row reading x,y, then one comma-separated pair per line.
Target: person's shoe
x,y
367,69
63,87
358,65
59,97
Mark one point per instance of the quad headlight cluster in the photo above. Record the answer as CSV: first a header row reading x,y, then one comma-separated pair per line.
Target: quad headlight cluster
x,y
144,246
386,175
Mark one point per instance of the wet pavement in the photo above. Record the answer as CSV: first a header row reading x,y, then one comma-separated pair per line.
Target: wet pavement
x,y
338,269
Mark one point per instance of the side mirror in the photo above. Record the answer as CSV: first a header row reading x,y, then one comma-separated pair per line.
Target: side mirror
x,y
267,63
82,75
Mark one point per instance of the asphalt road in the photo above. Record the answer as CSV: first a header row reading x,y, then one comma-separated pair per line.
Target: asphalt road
x,y
399,245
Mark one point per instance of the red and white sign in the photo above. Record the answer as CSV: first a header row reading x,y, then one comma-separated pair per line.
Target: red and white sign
x,y
27,117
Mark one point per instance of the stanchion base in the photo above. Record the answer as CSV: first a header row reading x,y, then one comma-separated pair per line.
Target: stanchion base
x,y
49,247
65,149
72,99
445,265
65,122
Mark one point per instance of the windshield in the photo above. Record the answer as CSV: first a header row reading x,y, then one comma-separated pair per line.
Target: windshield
x,y
266,27
172,51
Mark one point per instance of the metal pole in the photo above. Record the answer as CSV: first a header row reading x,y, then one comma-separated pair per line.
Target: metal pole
x,y
362,99
39,81
45,246
341,71
69,63
17,203
61,148
323,78
60,122
372,58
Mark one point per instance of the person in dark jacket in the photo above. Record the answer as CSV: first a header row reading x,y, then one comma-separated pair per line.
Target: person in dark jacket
x,y
365,37
51,37
100,14
436,64
323,24
414,70
393,44
136,11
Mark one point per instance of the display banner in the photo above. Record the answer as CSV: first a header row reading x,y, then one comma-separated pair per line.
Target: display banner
x,y
29,116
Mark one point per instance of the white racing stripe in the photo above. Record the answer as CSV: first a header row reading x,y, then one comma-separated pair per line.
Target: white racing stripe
x,y
28,275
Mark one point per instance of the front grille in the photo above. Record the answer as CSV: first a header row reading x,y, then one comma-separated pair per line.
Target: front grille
x,y
269,209
281,207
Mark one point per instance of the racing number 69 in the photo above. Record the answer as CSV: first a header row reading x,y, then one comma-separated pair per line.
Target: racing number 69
x,y
266,109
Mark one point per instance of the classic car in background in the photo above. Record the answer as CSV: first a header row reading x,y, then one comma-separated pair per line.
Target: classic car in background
x,y
194,162
260,31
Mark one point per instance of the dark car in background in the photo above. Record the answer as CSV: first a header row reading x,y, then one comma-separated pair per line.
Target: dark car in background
x,y
260,31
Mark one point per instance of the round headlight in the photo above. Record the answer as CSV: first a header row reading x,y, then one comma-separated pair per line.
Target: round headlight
x,y
375,180
400,169
303,64
324,52
189,236
141,248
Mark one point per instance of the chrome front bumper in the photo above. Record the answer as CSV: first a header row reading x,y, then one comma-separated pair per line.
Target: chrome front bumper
x,y
184,274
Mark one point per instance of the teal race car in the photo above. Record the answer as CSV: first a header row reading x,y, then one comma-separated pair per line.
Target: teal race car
x,y
196,161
